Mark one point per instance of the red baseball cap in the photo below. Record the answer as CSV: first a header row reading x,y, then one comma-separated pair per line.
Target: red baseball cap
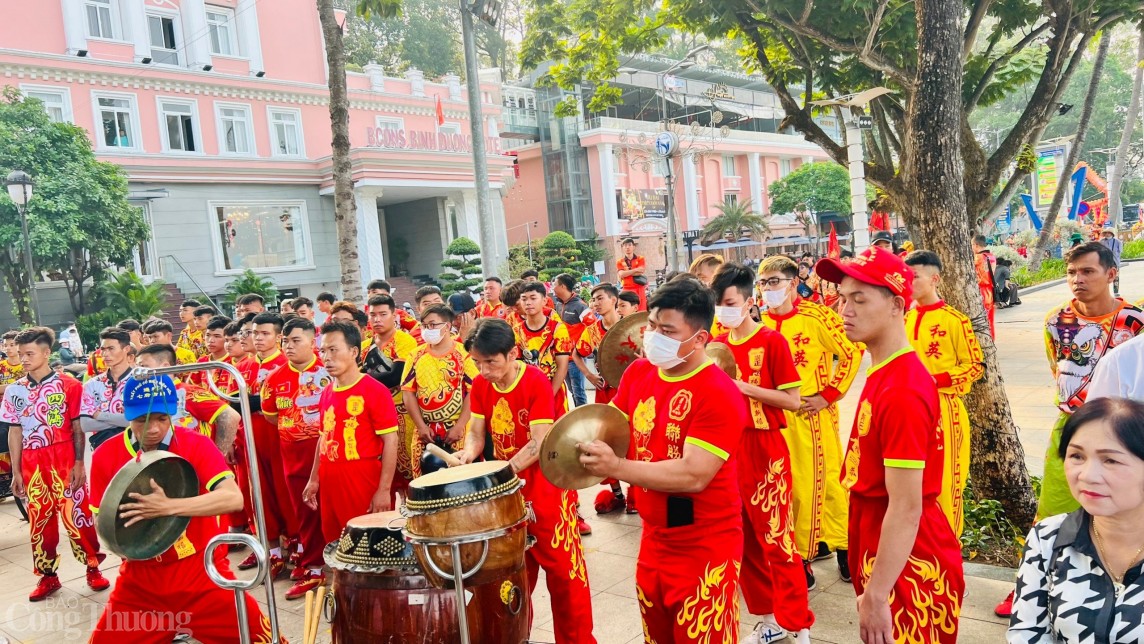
x,y
873,266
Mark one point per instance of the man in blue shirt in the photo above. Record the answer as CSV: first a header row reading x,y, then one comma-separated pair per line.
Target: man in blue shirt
x,y
1108,238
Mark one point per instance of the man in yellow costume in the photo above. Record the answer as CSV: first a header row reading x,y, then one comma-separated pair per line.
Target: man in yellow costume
x,y
944,340
816,339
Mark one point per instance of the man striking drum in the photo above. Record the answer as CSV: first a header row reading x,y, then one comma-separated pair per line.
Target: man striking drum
x,y
513,402
685,428
156,598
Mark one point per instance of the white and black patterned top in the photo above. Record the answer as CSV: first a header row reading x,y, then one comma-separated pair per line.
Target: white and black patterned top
x,y
1065,595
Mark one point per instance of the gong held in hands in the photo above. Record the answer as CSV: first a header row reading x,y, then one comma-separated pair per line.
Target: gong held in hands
x,y
559,456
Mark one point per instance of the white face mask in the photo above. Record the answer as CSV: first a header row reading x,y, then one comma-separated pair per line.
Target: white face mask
x,y
730,316
432,336
774,299
663,351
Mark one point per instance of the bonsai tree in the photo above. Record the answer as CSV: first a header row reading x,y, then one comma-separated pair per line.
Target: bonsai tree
x,y
560,254
463,264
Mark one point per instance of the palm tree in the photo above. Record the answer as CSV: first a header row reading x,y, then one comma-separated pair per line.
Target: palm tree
x,y
734,221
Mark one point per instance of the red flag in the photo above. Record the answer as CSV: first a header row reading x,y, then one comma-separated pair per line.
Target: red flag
x,y
440,113
832,247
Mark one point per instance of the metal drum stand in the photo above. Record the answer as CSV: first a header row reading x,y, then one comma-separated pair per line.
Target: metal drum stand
x,y
239,586
459,575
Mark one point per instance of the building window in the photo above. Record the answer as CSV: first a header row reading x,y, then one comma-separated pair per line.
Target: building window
x,y
220,24
101,19
450,128
729,166
784,167
236,134
260,236
117,116
286,132
177,122
56,102
389,123
731,199
164,45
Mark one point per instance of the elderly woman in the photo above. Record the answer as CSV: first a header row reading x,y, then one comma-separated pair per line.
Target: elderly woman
x,y
1080,581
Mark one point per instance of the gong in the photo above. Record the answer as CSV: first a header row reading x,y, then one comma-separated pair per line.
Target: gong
x,y
149,538
622,345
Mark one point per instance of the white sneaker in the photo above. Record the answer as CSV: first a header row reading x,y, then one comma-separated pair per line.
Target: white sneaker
x,y
766,631
802,637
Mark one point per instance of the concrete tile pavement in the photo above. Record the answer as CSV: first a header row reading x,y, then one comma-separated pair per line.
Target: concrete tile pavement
x,y
611,551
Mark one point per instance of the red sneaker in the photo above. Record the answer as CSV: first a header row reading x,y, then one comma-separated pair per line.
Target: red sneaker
x,y
583,526
298,573
309,582
1005,608
277,566
630,506
607,501
293,546
248,563
47,587
96,580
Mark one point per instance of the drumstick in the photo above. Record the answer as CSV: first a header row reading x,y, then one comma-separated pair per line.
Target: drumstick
x,y
321,597
309,613
450,460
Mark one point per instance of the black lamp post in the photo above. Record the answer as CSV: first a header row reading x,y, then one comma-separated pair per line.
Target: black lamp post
x,y
20,191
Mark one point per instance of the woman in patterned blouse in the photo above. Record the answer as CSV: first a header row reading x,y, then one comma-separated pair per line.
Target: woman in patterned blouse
x,y
1080,581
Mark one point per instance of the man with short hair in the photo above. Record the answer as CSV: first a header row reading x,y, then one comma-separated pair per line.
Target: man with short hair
x,y
356,456
627,303
983,264
290,398
10,368
203,316
405,321
1116,247
631,270
385,361
427,296
901,544
944,340
304,307
545,342
190,338
685,432
512,406
531,275
350,312
490,305
103,400
45,444
214,341
249,303
160,332
772,573
325,302
176,581
575,315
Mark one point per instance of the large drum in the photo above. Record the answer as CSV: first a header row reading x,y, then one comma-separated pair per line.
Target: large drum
x,y
478,505
380,596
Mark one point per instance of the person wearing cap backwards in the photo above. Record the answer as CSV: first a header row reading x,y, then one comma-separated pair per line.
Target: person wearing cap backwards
x,y
905,557
155,599
943,337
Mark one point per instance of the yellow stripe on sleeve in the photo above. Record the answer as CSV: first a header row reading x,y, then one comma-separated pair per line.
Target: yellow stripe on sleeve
x,y
789,385
704,445
389,430
904,464
218,478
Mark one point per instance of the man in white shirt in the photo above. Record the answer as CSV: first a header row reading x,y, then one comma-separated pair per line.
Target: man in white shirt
x,y
1120,373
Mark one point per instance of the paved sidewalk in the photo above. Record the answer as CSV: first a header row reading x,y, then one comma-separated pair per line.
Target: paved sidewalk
x,y
611,551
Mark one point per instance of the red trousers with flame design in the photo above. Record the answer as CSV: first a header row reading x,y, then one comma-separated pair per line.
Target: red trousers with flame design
x,y
281,521
926,599
772,577
46,472
687,583
559,551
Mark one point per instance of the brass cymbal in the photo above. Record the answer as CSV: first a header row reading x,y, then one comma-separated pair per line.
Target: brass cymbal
x,y
622,344
151,537
723,357
559,458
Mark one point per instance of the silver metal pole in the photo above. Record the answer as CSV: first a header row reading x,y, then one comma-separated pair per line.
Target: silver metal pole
x,y
669,181
28,259
251,453
459,586
477,131
528,232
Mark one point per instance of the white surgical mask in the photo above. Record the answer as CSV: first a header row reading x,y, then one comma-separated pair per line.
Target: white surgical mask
x,y
432,336
730,316
663,351
774,299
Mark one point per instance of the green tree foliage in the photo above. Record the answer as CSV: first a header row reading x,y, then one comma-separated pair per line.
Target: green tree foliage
x,y
464,264
820,187
250,282
559,253
734,221
126,295
80,221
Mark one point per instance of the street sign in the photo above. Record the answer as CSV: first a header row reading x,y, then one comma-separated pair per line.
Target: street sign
x,y
666,143
865,122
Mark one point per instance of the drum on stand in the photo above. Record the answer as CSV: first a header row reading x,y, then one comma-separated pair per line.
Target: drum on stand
x,y
379,593
479,505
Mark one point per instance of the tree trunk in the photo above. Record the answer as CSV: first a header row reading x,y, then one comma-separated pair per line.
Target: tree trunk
x,y
1050,218
21,295
345,207
1115,209
933,202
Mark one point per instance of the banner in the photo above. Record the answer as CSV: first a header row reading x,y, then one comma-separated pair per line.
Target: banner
x,y
1046,178
640,203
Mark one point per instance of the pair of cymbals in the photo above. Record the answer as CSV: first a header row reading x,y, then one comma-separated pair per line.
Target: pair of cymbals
x,y
559,457
622,345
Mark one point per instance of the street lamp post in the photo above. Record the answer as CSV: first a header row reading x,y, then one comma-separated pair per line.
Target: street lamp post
x,y
20,191
669,170
488,12
528,226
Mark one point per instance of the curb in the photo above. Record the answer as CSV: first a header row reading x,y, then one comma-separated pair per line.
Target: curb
x,y
1042,286
989,571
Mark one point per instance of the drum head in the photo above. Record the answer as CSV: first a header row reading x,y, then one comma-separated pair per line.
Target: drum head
x,y
372,542
461,485
460,473
150,538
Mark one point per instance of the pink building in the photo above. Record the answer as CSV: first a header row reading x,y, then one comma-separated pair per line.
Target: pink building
x,y
218,111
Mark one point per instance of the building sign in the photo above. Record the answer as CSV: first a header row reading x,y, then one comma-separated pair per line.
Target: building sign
x,y
1050,168
719,91
390,138
640,203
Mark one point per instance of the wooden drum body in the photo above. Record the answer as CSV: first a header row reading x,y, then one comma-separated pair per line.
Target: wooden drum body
x,y
479,506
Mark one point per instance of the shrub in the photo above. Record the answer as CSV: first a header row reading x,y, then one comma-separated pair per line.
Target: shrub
x,y
250,282
1051,269
127,296
464,264
560,254
1133,250
988,534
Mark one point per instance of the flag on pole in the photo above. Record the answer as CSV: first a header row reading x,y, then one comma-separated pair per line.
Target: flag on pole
x,y
832,248
440,113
